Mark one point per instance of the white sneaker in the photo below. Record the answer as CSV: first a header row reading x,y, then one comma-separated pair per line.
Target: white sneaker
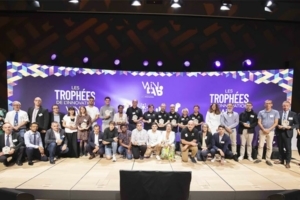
x,y
241,158
250,159
158,157
213,160
114,158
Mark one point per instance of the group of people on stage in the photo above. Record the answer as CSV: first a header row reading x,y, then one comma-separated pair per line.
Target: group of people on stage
x,y
39,134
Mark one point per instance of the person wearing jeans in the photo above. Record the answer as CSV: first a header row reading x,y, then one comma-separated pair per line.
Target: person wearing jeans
x,y
110,140
267,121
139,140
248,122
124,141
56,141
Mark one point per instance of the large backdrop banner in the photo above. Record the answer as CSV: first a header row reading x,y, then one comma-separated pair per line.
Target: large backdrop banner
x,y
68,86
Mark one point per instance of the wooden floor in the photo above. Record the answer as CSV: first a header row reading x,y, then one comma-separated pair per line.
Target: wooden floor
x,y
71,177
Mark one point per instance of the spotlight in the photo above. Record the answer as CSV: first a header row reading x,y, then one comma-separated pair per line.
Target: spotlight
x,y
117,62
187,63
247,62
53,56
145,63
175,4
136,3
225,5
269,6
159,63
218,63
73,1
33,3
85,60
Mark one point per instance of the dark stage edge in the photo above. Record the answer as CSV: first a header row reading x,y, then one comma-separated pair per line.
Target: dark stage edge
x,y
115,195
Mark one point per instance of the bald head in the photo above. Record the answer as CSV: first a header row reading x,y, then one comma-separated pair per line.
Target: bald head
x,y
191,125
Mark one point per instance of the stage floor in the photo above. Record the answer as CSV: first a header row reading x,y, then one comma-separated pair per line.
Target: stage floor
x,y
99,178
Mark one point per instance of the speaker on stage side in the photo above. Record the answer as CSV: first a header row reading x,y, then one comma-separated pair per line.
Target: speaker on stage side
x,y
10,194
154,185
287,195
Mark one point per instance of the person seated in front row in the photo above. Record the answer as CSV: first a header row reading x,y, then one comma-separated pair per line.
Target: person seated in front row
x,y
204,143
56,142
168,143
189,137
11,145
95,145
124,141
110,140
220,143
153,143
139,138
34,144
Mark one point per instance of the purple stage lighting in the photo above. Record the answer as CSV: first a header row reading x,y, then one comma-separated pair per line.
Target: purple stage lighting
x,y
117,62
159,63
186,63
218,63
53,56
85,59
145,63
248,62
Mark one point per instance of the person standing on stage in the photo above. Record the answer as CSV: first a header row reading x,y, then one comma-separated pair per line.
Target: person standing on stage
x,y
189,137
69,123
174,120
149,117
120,118
267,121
92,111
213,117
230,120
2,118
162,118
134,114
284,131
139,138
107,113
248,122
56,116
17,118
182,123
204,143
39,115
83,124
154,142
197,117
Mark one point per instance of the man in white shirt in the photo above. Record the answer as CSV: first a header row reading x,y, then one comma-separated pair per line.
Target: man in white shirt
x,y
92,111
154,142
17,118
34,144
107,113
56,142
139,138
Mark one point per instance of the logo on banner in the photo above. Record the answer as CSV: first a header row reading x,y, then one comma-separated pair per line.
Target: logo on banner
x,y
153,88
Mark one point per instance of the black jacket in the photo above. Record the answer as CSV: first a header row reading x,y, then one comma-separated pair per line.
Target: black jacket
x,y
252,120
207,140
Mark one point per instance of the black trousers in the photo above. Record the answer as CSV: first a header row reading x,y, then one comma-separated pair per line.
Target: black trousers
x,y
16,156
284,142
138,151
72,145
35,154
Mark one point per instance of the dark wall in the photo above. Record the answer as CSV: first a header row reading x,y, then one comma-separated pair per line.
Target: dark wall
x,y
33,37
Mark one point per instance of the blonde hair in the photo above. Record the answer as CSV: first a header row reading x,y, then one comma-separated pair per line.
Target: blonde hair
x,y
185,109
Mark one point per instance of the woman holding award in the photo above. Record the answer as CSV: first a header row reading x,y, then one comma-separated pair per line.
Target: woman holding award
x,y
69,122
120,118
168,143
213,117
83,123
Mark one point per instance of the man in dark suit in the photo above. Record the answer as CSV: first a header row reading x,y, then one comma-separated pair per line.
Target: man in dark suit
x,y
284,131
56,142
39,115
220,142
204,144
56,116
16,144
95,145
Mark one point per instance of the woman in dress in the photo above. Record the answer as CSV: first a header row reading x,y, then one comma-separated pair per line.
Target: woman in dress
x,y
213,117
83,123
69,122
168,143
120,118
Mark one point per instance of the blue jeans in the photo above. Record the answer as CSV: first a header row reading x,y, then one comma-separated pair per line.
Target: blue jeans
x,y
111,149
202,154
124,151
53,150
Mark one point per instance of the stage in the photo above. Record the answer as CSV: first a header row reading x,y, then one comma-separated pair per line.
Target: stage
x,y
99,178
